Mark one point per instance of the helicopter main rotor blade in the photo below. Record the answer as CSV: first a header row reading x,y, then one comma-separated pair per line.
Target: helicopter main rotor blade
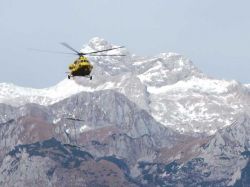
x,y
103,50
104,55
47,51
71,48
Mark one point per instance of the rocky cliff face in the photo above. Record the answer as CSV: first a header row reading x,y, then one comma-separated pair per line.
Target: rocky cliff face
x,y
105,124
51,163
219,160
139,122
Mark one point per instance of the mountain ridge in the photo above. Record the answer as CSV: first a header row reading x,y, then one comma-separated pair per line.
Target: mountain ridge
x,y
141,121
168,86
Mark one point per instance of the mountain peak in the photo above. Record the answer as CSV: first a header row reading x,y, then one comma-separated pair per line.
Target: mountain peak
x,y
99,43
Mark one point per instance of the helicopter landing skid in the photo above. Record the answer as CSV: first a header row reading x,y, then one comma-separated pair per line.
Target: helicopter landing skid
x,y
87,76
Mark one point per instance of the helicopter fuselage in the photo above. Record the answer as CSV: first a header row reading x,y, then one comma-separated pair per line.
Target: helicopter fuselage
x,y
81,67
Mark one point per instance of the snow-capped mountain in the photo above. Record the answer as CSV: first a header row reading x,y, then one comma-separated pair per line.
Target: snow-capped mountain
x,y
167,85
141,121
110,127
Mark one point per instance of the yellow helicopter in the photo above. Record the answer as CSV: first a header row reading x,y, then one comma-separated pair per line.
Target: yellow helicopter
x,y
81,66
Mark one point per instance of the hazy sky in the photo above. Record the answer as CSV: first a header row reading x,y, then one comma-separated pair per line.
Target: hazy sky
x,y
214,34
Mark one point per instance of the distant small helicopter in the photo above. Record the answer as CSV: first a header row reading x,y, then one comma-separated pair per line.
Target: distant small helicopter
x,y
81,66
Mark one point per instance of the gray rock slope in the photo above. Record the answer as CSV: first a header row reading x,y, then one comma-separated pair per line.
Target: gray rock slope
x,y
219,160
81,136
111,127
51,163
